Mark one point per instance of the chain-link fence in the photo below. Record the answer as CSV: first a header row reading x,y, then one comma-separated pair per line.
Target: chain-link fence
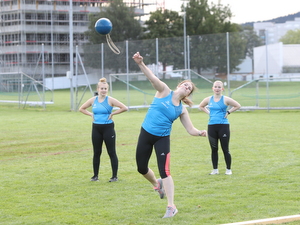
x,y
247,71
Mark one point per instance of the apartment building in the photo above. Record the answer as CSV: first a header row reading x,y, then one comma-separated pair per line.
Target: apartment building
x,y
272,32
30,27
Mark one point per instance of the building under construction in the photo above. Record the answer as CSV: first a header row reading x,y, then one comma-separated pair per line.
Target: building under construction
x,y
29,27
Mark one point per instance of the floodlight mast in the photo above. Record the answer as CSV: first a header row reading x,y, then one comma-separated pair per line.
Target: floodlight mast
x,y
71,53
184,34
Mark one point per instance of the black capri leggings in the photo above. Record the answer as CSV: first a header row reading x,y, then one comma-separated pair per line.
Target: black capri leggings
x,y
144,149
106,133
219,132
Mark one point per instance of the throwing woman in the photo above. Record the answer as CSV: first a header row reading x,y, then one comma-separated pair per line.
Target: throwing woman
x,y
156,128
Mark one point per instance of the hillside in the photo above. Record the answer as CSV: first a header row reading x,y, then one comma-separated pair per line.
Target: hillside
x,y
281,19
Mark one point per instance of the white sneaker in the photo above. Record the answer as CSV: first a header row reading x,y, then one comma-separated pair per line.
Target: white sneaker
x,y
171,211
214,172
228,172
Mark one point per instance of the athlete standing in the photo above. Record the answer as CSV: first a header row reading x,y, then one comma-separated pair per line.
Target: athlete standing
x,y
218,125
103,127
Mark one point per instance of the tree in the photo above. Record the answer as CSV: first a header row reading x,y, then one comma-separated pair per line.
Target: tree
x,y
207,52
165,25
252,41
204,19
125,27
291,37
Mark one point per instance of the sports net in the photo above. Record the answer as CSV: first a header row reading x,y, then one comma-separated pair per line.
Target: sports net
x,y
255,94
279,93
24,90
140,93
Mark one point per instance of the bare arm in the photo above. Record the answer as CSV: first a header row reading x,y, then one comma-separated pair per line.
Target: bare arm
x,y
87,104
160,86
115,103
203,104
188,125
231,102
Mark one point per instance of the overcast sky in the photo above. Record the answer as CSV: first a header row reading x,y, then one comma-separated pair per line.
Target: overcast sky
x,y
250,10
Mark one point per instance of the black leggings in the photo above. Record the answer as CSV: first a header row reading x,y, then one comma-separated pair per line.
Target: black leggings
x,y
144,149
219,132
106,133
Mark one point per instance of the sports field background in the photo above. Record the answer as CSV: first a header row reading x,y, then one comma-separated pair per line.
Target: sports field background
x,y
256,94
259,94
46,165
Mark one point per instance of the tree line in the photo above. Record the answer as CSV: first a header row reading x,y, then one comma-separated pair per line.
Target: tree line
x,y
206,26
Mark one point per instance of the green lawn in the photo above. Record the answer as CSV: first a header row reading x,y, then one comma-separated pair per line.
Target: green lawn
x,y
46,165
278,94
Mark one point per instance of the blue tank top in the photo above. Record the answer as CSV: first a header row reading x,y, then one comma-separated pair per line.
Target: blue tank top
x,y
101,111
161,115
217,111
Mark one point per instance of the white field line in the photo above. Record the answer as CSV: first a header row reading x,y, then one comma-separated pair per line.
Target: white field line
x,y
275,220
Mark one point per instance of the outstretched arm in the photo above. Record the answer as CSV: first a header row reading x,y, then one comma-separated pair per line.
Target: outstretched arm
x,y
155,81
188,125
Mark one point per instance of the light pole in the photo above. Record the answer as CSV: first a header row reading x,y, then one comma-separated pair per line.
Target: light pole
x,y
52,48
71,53
184,35
184,38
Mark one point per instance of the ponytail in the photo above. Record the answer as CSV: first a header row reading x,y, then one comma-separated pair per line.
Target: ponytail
x,y
186,100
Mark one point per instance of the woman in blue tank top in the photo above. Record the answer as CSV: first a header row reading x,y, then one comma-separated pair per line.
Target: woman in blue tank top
x,y
103,127
156,128
218,125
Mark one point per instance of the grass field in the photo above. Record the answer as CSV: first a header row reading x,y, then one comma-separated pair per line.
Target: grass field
x,y
278,94
46,165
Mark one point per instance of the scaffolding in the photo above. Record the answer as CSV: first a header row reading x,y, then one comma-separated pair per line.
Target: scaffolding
x,y
27,24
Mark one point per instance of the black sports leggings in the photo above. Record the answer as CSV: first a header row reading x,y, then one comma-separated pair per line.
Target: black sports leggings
x,y
106,133
219,132
144,150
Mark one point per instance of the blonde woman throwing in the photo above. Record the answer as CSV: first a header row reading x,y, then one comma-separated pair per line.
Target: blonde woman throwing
x,y
165,108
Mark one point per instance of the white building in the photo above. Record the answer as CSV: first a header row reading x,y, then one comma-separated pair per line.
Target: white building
x,y
274,31
276,60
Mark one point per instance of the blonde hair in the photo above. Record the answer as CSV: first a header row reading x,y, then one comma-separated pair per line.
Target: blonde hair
x,y
102,81
218,81
186,100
